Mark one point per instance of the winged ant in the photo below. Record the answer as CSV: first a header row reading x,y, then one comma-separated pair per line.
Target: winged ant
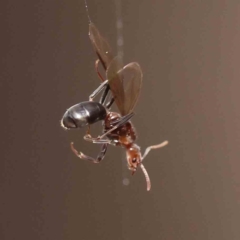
x,y
124,83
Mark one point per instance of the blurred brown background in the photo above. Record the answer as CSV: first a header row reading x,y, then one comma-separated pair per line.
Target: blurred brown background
x,y
189,52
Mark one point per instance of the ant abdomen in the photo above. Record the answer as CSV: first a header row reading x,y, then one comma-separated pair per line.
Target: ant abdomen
x,y
83,114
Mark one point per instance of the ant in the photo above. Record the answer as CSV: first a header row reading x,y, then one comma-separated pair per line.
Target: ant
x,y
124,83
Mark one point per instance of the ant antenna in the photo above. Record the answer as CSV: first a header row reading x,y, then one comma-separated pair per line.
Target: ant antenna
x,y
163,144
146,176
86,6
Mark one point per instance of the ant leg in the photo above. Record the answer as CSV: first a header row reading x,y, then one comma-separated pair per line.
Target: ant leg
x,y
104,95
163,144
96,68
109,104
97,140
98,90
104,84
99,158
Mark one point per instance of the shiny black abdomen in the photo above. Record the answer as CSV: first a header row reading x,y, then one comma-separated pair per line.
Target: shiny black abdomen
x,y
83,114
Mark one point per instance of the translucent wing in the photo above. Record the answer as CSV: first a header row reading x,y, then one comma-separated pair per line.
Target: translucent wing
x,y
100,45
115,82
125,84
132,83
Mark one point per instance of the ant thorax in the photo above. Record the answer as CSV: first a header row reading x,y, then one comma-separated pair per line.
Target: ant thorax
x,y
124,135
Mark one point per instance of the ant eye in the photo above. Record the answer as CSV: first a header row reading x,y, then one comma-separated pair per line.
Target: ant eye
x,y
134,160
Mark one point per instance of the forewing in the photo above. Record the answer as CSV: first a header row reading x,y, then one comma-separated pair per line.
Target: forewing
x,y
132,83
125,84
100,45
114,77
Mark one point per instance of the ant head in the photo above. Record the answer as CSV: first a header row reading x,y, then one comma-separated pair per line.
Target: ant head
x,y
134,158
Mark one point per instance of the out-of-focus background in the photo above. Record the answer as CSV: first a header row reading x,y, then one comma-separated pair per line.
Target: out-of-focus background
x,y
189,52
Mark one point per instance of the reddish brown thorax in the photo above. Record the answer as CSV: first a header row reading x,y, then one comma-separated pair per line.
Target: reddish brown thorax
x,y
124,135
